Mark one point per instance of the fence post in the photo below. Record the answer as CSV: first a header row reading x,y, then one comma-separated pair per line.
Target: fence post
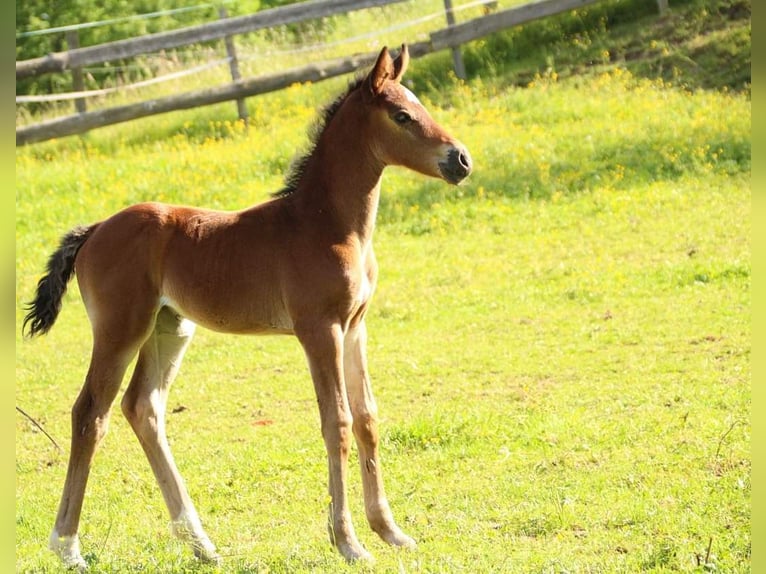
x,y
78,83
231,52
489,7
457,57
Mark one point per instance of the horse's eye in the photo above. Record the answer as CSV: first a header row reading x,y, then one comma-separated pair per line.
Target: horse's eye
x,y
402,117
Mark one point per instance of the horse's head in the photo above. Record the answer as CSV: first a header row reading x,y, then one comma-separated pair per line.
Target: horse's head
x,y
404,132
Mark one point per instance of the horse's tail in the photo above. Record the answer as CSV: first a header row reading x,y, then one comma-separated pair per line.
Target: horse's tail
x,y
52,286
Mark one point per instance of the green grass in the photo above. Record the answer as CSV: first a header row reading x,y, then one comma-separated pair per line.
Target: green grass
x,y
560,348
696,44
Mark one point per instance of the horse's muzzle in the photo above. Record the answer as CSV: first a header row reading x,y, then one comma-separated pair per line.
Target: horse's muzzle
x,y
457,166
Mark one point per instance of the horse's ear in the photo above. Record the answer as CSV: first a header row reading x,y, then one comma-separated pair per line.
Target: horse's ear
x,y
400,63
382,71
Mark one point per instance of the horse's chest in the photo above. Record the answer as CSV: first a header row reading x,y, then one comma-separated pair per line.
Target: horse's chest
x,y
354,282
360,284
360,295
363,290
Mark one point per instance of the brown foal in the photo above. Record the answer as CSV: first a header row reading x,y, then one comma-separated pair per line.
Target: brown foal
x,y
301,263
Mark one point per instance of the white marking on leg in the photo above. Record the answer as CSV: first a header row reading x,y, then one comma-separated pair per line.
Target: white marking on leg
x,y
166,302
68,549
187,527
186,328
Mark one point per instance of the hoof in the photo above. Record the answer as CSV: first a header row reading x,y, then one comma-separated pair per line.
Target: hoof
x,y
67,548
401,540
208,555
395,537
355,553
188,528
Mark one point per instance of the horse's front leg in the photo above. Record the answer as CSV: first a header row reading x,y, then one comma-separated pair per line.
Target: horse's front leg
x,y
365,427
323,345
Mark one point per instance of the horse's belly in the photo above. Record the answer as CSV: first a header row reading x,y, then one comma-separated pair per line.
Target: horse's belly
x,y
251,317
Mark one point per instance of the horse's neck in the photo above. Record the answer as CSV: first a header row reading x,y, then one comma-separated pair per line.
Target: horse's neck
x,y
343,177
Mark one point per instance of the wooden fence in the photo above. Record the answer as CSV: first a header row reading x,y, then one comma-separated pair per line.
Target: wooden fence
x,y
122,49
450,37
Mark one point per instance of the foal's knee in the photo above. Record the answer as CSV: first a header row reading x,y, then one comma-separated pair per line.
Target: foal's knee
x,y
337,435
366,428
344,435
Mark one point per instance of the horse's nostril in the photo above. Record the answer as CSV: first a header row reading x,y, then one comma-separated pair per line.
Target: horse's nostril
x,y
464,160
457,165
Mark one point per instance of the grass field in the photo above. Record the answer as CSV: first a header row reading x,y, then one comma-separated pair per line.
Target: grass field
x,y
560,347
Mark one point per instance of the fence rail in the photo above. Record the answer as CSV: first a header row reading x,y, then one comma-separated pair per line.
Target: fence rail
x,y
96,24
480,27
61,61
79,123
450,37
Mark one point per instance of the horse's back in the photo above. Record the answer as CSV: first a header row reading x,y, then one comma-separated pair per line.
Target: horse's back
x,y
128,242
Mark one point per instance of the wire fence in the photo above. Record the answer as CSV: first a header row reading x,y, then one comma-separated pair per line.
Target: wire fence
x,y
252,55
326,60
105,91
121,20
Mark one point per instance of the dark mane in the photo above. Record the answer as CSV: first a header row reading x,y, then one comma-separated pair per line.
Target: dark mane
x,y
298,165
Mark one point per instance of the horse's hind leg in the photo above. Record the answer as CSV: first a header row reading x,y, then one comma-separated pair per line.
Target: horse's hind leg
x,y
365,427
90,421
144,406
